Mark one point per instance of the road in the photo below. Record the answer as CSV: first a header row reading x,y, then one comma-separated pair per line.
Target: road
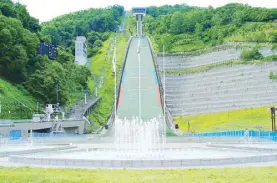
x,y
128,104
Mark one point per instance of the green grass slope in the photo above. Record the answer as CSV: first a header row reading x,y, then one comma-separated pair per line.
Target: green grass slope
x,y
17,103
250,118
101,66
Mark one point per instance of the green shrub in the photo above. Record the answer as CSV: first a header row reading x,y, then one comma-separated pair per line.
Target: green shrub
x,y
270,58
252,54
274,47
272,75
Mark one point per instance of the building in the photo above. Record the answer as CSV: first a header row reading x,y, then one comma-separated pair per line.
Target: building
x,y
80,50
47,49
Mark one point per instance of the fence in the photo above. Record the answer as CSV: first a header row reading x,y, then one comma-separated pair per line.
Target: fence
x,y
267,135
41,135
15,134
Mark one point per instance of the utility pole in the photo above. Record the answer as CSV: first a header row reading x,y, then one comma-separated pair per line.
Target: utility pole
x,y
0,107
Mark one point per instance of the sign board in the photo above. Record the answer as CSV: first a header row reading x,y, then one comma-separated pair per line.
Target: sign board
x,y
139,11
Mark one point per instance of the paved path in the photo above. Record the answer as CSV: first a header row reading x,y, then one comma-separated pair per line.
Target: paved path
x,y
82,108
128,105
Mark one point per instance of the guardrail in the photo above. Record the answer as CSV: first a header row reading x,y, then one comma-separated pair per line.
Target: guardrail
x,y
41,135
34,138
111,119
169,120
268,135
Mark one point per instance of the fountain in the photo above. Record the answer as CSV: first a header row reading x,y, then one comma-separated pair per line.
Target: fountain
x,y
139,139
141,144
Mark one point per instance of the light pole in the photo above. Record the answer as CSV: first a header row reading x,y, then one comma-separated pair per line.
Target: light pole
x,y
96,94
139,80
57,90
164,90
37,107
114,70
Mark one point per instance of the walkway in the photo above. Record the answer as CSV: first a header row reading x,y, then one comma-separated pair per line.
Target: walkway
x,y
83,109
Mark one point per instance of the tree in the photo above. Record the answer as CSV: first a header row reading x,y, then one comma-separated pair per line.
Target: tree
x,y
52,31
69,78
18,11
165,41
198,30
98,43
43,83
18,46
92,37
177,23
7,9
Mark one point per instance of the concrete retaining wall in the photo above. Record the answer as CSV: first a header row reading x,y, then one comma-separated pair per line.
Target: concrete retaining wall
x,y
69,126
140,163
28,151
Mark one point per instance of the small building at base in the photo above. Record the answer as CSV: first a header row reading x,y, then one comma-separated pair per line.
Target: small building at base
x,y
80,50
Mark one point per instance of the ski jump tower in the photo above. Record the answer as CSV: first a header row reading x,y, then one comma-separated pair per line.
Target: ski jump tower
x,y
139,13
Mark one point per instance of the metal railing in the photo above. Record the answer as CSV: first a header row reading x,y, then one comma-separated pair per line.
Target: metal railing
x,y
109,123
170,122
252,134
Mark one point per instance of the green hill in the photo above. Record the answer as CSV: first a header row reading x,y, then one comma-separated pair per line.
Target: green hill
x,y
185,29
17,102
251,118
21,65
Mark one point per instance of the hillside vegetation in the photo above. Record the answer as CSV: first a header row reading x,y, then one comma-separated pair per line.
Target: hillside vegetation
x,y
95,24
20,63
251,118
101,66
254,32
185,28
16,101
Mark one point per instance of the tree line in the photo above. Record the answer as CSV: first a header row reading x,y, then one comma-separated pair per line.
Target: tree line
x,y
181,24
95,24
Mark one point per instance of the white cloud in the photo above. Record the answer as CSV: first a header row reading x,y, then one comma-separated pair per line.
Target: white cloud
x,y
45,10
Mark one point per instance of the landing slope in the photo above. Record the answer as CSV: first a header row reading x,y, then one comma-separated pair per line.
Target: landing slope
x,y
128,104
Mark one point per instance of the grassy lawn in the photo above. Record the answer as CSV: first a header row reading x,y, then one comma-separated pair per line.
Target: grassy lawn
x,y
233,120
17,100
242,175
102,66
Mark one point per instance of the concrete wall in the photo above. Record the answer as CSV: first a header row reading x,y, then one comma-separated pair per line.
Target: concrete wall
x,y
69,127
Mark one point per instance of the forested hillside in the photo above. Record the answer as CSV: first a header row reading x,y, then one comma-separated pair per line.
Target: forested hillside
x,y
20,35
95,24
184,28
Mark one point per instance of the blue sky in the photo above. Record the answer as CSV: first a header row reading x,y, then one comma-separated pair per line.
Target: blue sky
x,y
45,10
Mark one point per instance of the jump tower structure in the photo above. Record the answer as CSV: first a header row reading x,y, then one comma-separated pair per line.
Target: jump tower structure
x,y
139,13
